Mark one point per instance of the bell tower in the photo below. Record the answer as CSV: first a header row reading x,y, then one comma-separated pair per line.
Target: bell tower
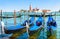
x,y
30,8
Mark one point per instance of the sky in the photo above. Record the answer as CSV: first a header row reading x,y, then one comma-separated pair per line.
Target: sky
x,y
10,5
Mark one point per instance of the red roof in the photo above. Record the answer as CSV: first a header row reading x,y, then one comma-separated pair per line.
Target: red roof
x,y
45,10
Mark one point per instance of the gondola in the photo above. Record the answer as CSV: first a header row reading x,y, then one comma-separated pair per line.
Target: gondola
x,y
2,33
37,26
32,29
30,21
13,29
51,25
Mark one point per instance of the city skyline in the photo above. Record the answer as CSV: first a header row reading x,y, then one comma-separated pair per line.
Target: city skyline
x,y
10,5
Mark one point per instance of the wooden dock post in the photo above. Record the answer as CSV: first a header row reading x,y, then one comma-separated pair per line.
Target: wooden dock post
x,y
14,17
20,18
1,20
44,11
55,15
6,19
1,15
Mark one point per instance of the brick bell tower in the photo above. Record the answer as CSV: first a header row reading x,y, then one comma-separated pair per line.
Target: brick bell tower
x,y
30,8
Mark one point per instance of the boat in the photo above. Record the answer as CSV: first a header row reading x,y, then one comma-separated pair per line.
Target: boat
x,y
2,33
30,21
37,26
13,28
51,25
31,30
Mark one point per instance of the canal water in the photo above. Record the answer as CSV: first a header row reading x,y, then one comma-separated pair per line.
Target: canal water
x,y
20,20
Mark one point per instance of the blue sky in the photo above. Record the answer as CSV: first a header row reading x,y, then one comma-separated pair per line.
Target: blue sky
x,y
10,5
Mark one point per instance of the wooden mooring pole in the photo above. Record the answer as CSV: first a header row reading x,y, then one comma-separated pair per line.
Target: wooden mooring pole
x,y
44,11
14,17
1,15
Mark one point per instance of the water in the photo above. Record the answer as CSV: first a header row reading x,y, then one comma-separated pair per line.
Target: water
x,y
58,26
21,19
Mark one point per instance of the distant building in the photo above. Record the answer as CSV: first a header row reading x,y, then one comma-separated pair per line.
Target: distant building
x,y
45,11
59,10
33,10
30,8
23,10
37,9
